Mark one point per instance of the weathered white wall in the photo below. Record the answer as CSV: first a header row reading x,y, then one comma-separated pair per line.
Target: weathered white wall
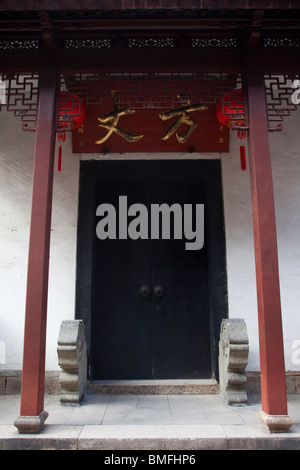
x,y
16,163
285,151
239,245
16,160
15,195
285,148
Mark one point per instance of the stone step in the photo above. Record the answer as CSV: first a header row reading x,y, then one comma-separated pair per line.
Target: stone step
x,y
154,387
149,438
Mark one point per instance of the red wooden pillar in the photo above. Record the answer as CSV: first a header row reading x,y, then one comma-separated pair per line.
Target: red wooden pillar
x,y
273,384
32,414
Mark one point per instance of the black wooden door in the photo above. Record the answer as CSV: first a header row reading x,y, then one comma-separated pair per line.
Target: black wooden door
x,y
151,303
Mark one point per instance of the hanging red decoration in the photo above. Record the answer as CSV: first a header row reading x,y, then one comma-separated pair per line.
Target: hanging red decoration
x,y
242,135
61,137
72,113
230,113
72,110
230,109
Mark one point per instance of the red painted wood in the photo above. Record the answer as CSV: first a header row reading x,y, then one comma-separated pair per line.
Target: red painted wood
x,y
152,60
273,383
208,136
32,392
148,4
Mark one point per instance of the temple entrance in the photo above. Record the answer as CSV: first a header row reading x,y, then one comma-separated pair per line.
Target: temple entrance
x,y
154,227
86,53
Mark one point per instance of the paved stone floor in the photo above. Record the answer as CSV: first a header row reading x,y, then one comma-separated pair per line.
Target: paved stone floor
x,y
149,422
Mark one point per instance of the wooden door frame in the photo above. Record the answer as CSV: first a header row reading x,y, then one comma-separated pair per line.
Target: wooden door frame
x,y
216,250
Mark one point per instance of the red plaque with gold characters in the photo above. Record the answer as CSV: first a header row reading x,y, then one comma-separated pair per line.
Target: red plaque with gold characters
x,y
113,127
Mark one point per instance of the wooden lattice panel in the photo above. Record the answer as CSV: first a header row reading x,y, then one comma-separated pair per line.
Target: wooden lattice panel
x,y
279,97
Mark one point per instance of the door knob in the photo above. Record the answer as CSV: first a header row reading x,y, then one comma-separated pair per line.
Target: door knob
x,y
145,291
158,291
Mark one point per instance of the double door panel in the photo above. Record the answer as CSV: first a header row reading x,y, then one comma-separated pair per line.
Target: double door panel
x,y
151,316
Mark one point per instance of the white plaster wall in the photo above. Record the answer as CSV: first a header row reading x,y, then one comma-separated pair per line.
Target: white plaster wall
x,y
239,245
285,148
285,152
16,163
62,273
16,160
16,152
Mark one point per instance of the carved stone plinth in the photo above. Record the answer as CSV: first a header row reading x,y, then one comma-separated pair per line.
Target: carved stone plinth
x,y
30,424
276,423
233,359
72,359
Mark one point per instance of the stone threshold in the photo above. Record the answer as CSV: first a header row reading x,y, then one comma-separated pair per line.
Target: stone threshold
x,y
154,387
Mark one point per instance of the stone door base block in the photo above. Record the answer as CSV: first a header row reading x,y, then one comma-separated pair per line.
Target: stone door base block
x,y
72,359
30,424
276,423
233,359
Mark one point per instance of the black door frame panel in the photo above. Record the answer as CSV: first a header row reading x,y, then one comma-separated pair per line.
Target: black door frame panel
x,y
210,171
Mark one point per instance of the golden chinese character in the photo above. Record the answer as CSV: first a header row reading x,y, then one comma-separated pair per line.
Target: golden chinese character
x,y
110,120
184,118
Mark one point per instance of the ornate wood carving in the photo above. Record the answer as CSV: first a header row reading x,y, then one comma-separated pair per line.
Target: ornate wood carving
x,y
279,91
21,97
19,91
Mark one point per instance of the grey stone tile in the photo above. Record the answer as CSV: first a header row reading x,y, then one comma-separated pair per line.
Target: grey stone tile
x,y
186,410
148,409
51,437
58,414
90,410
138,410
123,400
7,402
223,418
250,417
154,401
121,409
257,437
149,437
294,408
9,412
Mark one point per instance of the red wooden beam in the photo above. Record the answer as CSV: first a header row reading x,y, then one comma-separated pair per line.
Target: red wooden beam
x,y
32,414
273,385
147,4
153,60
174,59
